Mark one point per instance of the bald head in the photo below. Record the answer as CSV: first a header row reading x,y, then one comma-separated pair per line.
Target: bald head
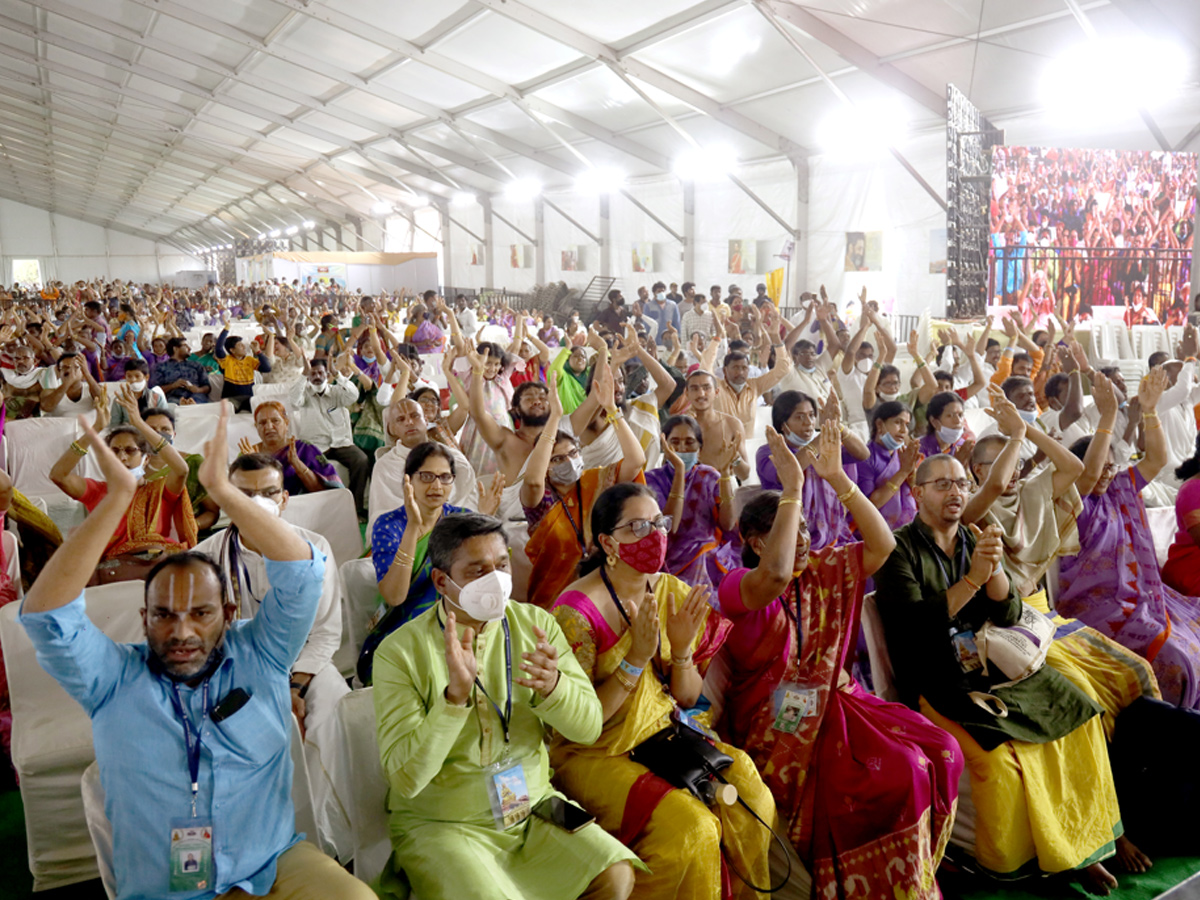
x,y
408,425
940,465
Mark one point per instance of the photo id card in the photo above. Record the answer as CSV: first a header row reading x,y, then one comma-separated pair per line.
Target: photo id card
x,y
794,702
508,793
191,856
965,650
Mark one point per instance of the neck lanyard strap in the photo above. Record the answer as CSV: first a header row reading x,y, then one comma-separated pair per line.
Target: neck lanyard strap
x,y
192,737
576,528
506,716
612,592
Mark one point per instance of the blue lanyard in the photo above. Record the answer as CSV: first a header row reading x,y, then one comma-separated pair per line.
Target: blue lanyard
x,y
505,717
192,737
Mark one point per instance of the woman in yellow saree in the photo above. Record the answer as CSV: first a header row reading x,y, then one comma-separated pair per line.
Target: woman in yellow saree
x,y
644,637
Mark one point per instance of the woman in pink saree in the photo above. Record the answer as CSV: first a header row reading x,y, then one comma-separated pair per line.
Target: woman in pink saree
x,y
866,788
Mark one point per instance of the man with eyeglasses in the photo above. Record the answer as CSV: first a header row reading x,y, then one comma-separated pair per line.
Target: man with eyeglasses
x,y
941,585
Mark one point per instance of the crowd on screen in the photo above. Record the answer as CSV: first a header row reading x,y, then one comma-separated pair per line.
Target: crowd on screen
x,y
619,649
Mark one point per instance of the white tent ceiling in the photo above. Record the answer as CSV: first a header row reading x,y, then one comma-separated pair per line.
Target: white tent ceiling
x,y
204,122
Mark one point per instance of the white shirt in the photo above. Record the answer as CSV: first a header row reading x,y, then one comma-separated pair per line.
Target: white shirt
x,y
324,419
852,393
469,323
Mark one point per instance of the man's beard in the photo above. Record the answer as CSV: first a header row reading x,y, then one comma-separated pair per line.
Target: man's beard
x,y
535,420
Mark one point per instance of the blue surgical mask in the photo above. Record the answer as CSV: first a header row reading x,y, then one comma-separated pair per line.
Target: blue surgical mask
x,y
796,441
1029,415
368,359
807,370
890,442
949,436
660,295
689,458
138,472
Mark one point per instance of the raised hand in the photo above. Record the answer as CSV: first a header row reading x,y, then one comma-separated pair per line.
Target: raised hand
x,y
686,620
912,344
669,454
214,468
415,518
791,476
1079,354
245,446
964,452
460,662
103,416
293,456
116,476
645,632
541,666
1104,394
1008,420
1151,388
730,447
489,499
828,461
128,401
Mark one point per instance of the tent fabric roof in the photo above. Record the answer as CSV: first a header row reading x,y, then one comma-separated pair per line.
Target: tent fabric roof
x,y
206,122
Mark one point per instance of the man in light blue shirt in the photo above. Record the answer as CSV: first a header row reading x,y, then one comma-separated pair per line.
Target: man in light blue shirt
x,y
663,311
192,729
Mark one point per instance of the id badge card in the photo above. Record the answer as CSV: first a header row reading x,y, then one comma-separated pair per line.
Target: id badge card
x,y
794,702
191,857
508,793
965,650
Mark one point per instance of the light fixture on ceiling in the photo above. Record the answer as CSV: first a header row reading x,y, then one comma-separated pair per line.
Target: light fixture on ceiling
x,y
263,236
293,229
863,130
274,233
309,224
462,198
600,180
381,207
520,189
708,163
1086,80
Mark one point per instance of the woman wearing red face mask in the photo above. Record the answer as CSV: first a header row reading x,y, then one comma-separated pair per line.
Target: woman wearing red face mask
x,y
645,638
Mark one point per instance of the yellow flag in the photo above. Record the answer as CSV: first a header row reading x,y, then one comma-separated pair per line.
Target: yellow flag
x,y
775,285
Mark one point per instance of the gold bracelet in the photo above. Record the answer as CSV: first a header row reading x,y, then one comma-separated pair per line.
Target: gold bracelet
x,y
625,681
895,487
786,500
1150,414
1150,427
972,585
674,496
685,663
402,557
158,448
77,448
1107,431
614,416
848,495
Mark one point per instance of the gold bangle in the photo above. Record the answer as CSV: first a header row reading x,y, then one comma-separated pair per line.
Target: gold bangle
x,y
848,495
895,487
625,681
159,446
1107,431
972,585
786,500
683,662
1150,414
77,448
1150,427
674,496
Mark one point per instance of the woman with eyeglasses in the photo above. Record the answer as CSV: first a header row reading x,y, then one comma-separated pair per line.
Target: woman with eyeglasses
x,y
557,493
400,544
645,638
865,788
1114,583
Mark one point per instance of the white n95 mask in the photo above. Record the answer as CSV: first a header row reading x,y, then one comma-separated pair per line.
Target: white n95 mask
x,y
485,598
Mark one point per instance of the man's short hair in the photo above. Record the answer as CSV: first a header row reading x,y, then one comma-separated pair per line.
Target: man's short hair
x,y
521,390
137,365
452,531
613,294
173,344
929,462
1157,358
991,342
733,357
256,462
687,285
1014,383
184,560
165,413
1057,382
691,375
1022,357
319,361
983,445
658,286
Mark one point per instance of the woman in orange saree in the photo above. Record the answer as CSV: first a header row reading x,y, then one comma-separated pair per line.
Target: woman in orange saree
x,y
645,638
867,788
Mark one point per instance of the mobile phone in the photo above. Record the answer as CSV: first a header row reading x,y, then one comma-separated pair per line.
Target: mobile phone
x,y
566,815
234,700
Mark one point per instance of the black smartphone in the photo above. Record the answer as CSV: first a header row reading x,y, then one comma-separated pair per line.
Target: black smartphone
x,y
566,815
233,701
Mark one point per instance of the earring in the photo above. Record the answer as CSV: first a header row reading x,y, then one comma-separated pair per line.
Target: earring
x,y
611,560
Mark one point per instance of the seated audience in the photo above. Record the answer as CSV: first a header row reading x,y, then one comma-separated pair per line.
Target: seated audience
x,y
885,475
794,415
488,397
146,398
465,696
1035,749
305,470
77,391
322,410
150,704
181,378
160,516
946,427
699,501
643,638
400,542
826,746
557,494
26,384
1114,583
407,426
238,366
442,428
204,509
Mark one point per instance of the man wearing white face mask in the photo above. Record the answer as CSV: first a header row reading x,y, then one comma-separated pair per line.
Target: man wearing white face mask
x,y
316,685
137,372
323,416
664,311
464,694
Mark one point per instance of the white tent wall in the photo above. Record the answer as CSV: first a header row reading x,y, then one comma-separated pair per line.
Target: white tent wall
x,y
520,213
879,195
68,249
416,275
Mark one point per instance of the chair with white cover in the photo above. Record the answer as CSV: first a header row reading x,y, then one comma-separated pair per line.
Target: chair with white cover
x,y
330,514
100,829
1163,525
360,600
52,739
12,556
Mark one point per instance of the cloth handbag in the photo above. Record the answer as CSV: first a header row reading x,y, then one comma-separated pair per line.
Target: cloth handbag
x,y
1015,651
684,758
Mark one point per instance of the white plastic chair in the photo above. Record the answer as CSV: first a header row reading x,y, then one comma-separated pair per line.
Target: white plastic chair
x,y
100,829
330,514
52,739
360,599
1163,525
358,777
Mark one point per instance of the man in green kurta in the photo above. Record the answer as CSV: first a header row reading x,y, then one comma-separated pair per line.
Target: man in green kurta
x,y
464,695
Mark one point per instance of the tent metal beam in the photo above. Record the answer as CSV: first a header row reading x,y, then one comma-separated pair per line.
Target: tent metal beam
x,y
650,214
558,209
513,227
